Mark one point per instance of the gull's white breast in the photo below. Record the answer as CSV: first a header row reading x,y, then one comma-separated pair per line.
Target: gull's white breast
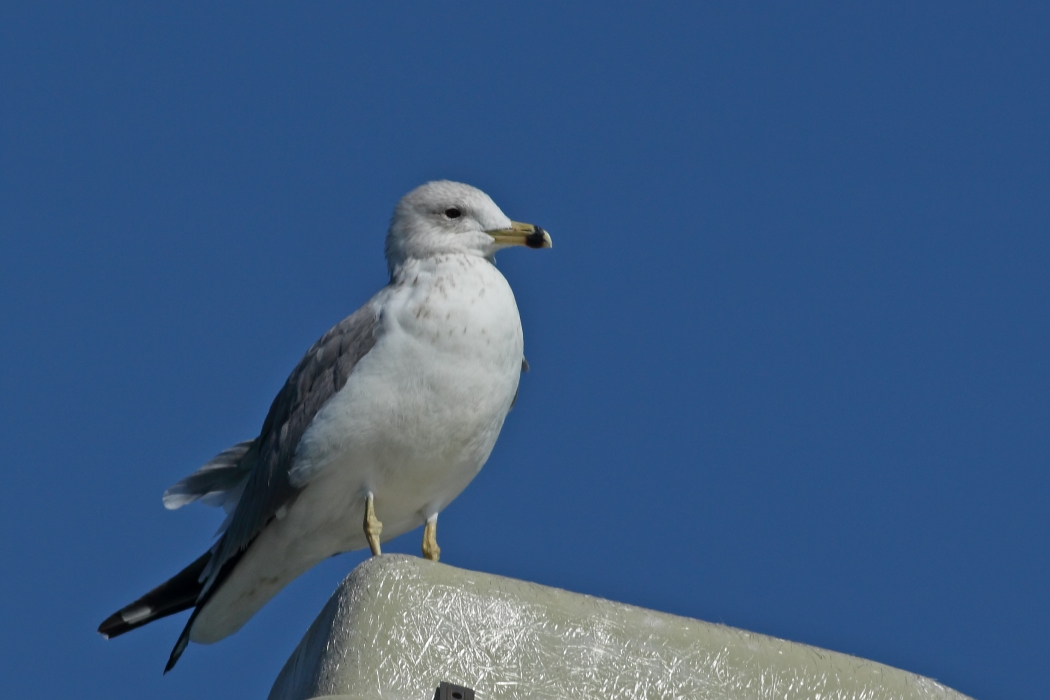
x,y
421,412
413,424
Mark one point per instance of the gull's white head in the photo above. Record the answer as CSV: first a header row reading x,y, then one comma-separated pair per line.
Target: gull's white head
x,y
443,217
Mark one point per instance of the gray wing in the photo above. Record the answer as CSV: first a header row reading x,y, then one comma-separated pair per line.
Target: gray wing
x,y
319,375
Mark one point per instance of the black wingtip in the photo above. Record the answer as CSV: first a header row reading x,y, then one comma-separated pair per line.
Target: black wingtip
x,y
184,638
112,626
182,643
178,593
176,653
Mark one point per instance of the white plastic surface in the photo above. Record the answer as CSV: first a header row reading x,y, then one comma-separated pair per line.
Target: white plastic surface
x,y
398,626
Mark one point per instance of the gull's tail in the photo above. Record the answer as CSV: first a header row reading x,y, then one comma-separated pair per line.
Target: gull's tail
x,y
219,482
178,593
185,590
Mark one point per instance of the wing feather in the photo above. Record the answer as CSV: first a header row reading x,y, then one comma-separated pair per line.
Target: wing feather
x,y
220,475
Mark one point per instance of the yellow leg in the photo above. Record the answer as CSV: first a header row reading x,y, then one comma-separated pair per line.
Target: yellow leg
x,y
373,527
431,550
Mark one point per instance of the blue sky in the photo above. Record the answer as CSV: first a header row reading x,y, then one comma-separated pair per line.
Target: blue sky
x,y
789,353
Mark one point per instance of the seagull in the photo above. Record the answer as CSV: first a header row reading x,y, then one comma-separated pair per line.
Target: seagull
x,y
383,422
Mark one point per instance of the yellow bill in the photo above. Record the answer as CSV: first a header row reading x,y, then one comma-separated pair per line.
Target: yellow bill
x,y
522,234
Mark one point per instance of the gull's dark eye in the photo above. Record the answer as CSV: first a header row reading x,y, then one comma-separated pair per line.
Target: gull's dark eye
x,y
453,213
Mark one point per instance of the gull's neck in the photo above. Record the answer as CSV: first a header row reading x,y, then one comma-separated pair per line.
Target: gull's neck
x,y
457,263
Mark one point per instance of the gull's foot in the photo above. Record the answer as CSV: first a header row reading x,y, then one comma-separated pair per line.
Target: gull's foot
x,y
431,550
373,528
